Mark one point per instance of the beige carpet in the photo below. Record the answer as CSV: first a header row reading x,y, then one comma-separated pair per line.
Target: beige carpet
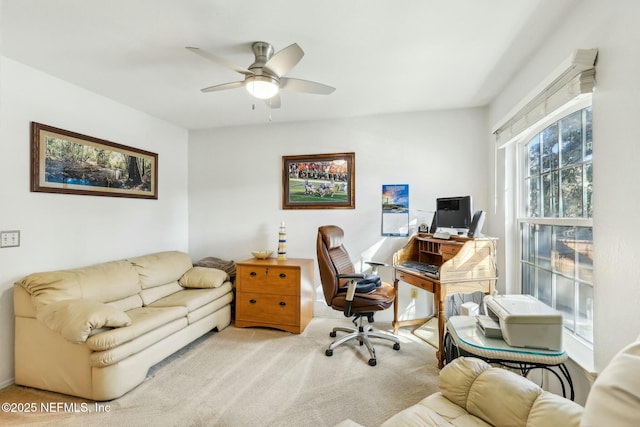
x,y
258,377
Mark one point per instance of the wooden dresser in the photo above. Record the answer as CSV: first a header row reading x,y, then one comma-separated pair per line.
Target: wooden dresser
x,y
274,293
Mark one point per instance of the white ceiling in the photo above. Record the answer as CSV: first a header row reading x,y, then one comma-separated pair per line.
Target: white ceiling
x,y
382,56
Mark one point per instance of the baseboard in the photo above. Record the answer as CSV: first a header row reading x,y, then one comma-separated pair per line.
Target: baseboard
x,y
7,383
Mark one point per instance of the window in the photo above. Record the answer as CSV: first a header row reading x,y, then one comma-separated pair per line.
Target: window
x,y
546,145
555,221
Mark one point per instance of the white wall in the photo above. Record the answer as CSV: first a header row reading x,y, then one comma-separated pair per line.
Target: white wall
x,y
230,178
235,182
65,231
612,28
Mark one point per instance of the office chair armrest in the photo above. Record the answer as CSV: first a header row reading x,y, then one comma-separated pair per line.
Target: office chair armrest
x,y
376,263
352,276
351,290
374,266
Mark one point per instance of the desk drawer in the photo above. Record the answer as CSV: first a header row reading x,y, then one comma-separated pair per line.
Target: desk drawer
x,y
419,281
450,249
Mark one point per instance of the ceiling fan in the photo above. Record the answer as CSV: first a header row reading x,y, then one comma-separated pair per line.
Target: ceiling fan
x,y
265,77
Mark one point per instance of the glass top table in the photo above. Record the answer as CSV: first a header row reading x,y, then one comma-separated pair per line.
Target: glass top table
x,y
465,331
463,337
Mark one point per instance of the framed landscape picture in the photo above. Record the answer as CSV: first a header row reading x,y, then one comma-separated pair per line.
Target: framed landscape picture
x,y
318,181
67,162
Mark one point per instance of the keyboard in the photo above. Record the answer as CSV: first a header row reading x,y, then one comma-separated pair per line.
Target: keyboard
x,y
423,268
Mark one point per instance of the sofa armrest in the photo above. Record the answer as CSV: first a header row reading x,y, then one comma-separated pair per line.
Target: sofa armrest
x,y
551,410
75,319
23,304
457,377
614,398
501,397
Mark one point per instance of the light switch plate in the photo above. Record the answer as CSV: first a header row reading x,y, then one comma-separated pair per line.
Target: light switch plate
x,y
9,239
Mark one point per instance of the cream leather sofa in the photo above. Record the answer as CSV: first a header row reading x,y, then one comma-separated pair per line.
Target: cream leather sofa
x,y
472,393
94,332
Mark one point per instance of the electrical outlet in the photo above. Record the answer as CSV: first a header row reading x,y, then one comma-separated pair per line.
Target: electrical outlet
x,y
9,239
414,293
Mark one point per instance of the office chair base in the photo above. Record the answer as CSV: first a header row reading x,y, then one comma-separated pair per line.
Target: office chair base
x,y
363,335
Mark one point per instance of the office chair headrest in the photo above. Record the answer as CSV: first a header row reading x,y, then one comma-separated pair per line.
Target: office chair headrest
x,y
332,236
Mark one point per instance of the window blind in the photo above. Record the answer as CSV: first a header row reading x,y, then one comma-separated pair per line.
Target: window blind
x,y
574,77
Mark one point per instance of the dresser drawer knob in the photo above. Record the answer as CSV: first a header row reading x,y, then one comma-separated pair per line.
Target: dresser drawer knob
x,y
253,274
252,301
282,303
283,275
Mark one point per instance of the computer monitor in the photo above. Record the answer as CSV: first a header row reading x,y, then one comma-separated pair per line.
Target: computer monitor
x,y
453,214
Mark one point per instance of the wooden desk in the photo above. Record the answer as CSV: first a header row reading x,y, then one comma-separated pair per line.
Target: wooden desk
x,y
466,265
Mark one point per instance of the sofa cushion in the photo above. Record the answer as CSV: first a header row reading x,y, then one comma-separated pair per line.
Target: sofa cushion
x,y
434,410
101,282
203,277
456,379
150,295
100,359
75,319
192,299
128,303
515,393
476,386
473,393
210,308
161,268
143,320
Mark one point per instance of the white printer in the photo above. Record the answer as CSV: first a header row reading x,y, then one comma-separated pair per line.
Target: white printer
x,y
525,321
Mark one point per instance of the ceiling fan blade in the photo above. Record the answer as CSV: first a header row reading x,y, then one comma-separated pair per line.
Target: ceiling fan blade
x,y
299,85
224,86
283,61
273,102
220,61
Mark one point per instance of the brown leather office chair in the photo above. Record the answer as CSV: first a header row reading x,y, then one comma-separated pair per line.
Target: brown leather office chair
x,y
343,292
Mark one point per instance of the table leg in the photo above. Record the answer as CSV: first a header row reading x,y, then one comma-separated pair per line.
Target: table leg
x,y
438,305
395,323
565,372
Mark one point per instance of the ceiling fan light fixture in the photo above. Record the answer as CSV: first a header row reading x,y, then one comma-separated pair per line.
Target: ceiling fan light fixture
x,y
262,87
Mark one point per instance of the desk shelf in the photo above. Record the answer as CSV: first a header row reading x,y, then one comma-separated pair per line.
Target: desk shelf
x,y
437,252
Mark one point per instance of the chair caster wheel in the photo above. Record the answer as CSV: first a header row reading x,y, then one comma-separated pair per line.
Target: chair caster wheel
x,y
372,362
329,352
332,334
396,346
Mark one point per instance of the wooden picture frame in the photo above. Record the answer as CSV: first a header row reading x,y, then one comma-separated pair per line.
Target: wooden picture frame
x,y
71,163
318,181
